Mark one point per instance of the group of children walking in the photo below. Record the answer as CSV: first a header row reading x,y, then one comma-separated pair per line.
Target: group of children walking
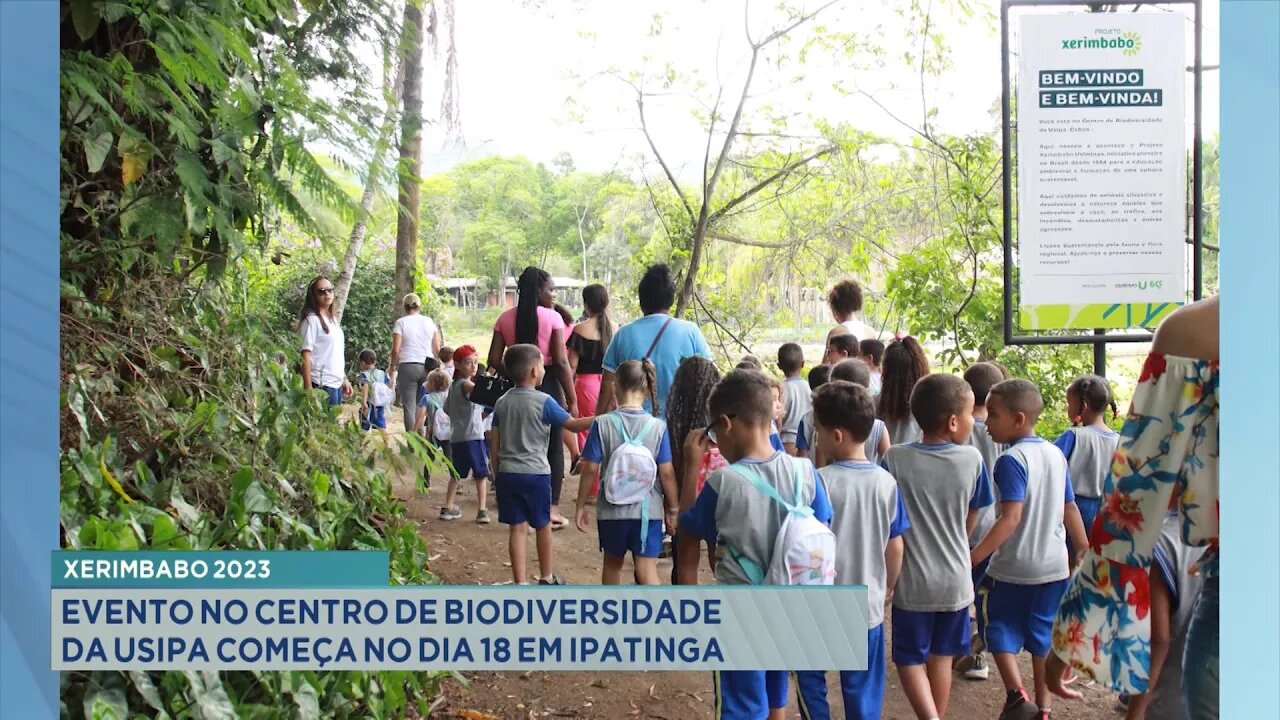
x,y
940,496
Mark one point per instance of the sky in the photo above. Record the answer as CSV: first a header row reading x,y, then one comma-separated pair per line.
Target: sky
x,y
519,66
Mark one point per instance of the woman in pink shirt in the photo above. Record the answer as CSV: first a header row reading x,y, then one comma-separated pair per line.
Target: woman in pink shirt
x,y
534,321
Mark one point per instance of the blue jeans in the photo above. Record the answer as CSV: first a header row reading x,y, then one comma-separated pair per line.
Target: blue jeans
x,y
335,395
1200,657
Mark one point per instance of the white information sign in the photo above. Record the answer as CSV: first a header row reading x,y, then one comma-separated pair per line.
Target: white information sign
x,y
1102,158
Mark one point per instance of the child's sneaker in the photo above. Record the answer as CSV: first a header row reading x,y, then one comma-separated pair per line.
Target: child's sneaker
x,y
482,517
553,580
452,513
976,667
1018,706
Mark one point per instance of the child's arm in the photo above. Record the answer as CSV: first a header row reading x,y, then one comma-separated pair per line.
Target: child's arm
x,y
494,455
1006,524
893,553
1075,531
885,443
670,495
696,446
577,425
688,553
586,480
467,387
420,421
1161,617
696,525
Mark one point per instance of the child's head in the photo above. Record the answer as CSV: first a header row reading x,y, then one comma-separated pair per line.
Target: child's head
x,y
1088,398
790,359
446,355
741,412
437,381
981,378
368,359
871,351
524,365
844,414
904,366
943,405
845,299
779,404
839,347
818,376
1013,407
852,370
637,380
687,402
748,362
464,360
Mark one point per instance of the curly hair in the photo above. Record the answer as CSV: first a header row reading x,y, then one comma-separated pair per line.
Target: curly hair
x,y
904,364
845,297
687,403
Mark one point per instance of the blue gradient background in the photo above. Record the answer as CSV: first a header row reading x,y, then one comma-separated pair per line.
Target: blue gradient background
x,y
1250,35
28,351
1250,396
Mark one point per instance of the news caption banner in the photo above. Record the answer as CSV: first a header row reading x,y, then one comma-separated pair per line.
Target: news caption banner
x,y
319,611
1102,169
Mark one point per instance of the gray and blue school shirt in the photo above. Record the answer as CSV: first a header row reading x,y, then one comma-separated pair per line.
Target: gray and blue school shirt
x,y
799,400
990,449
939,485
1172,563
744,521
466,417
866,513
903,432
1034,473
524,418
604,439
1088,451
805,438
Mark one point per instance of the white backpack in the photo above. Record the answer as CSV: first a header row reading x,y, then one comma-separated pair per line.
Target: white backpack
x,y
632,471
804,551
441,427
380,393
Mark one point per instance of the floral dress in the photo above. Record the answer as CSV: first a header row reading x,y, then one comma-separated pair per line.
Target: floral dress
x,y
1167,459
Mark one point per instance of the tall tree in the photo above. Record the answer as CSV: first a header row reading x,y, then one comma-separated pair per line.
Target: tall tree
x,y
391,92
410,149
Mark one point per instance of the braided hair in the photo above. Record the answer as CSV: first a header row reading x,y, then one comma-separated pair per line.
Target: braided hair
x,y
527,288
687,406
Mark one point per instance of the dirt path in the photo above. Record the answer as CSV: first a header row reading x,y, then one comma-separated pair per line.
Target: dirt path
x,y
464,553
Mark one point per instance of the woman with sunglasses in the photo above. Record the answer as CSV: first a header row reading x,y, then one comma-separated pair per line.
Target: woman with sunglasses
x,y
323,344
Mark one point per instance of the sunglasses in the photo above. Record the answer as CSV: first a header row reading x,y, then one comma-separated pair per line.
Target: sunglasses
x,y
710,430
324,291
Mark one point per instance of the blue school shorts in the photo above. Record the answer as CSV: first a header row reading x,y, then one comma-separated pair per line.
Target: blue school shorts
x,y
748,694
1013,617
374,417
619,537
917,635
470,458
1089,508
523,498
863,690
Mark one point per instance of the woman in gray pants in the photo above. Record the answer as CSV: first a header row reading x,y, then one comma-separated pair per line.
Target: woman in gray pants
x,y
415,344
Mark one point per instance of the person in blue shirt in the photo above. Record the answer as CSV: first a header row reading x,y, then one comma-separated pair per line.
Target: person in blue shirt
x,y
663,339
744,523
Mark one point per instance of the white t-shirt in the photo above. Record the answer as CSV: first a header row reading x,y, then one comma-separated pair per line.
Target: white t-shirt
x,y
860,330
417,331
328,354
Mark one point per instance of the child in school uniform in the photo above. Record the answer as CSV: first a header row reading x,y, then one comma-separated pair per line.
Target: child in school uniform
x,y
637,527
981,377
433,421
871,352
373,414
859,373
522,425
693,456
1175,584
796,394
745,522
840,347
1030,566
446,361
779,409
1089,444
943,484
904,364
467,448
869,519
806,442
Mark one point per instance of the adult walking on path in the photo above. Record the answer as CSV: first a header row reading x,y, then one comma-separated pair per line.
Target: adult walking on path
x,y
664,340
324,359
1167,460
415,345
590,336
535,321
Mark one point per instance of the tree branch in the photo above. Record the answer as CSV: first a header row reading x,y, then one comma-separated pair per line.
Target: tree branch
x,y
644,127
784,170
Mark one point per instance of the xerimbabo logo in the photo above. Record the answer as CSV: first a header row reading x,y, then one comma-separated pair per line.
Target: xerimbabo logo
x,y
1128,42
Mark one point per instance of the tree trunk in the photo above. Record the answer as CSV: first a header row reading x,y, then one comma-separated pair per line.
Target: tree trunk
x,y
358,230
410,155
